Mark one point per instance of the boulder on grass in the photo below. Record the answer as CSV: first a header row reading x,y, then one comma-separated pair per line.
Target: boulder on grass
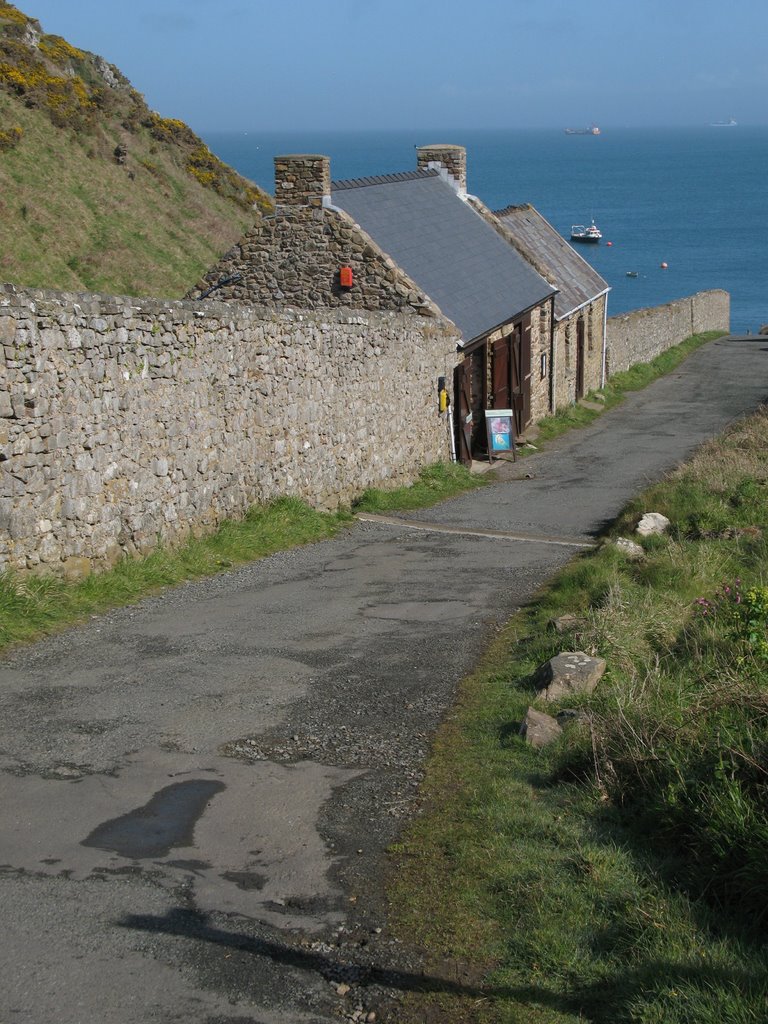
x,y
633,551
567,673
539,729
652,523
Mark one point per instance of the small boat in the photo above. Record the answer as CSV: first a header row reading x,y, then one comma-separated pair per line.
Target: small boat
x,y
592,130
580,233
631,273
730,123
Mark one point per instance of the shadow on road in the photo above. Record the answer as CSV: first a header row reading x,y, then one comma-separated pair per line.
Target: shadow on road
x,y
604,999
194,925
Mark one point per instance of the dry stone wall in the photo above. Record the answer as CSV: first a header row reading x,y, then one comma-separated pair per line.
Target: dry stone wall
x,y
643,334
126,422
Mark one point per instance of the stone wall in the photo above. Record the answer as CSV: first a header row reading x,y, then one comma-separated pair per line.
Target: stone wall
x,y
541,361
125,422
641,335
292,258
565,346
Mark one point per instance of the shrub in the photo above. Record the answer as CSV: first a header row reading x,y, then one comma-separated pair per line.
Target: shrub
x,y
10,137
740,617
60,51
10,13
66,99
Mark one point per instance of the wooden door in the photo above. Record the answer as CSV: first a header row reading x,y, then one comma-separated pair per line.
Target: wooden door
x,y
463,391
511,374
520,358
501,379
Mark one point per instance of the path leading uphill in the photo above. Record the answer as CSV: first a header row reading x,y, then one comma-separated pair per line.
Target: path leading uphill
x,y
196,793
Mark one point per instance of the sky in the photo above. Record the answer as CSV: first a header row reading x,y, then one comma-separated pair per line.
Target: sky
x,y
242,65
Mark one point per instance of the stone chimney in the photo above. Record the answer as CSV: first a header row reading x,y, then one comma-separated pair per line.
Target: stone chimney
x,y
452,158
302,179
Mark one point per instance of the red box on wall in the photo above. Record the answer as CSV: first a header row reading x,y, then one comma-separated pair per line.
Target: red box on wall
x,y
346,277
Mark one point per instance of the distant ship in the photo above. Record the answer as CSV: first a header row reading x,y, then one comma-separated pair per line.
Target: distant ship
x,y
592,130
730,123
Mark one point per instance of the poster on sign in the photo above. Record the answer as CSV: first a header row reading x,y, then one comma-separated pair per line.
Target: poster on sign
x,y
500,428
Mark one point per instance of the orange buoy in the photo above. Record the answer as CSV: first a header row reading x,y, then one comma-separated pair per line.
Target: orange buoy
x,y
664,266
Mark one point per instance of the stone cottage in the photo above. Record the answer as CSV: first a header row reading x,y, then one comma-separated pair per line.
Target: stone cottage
x,y
414,242
580,309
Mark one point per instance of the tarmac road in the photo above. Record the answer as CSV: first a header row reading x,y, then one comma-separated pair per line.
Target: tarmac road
x,y
197,792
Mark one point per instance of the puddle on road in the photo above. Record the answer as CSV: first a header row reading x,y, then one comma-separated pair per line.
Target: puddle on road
x,y
243,838
166,821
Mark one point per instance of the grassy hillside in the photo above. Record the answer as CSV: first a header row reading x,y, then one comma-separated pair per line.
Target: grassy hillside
x,y
97,192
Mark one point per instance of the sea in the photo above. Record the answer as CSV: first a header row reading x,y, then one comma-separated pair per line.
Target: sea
x,y
681,209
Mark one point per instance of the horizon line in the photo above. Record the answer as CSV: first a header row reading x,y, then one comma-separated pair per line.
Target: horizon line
x,y
605,126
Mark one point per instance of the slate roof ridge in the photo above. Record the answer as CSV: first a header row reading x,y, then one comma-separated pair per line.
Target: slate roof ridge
x,y
384,179
592,276
530,208
513,208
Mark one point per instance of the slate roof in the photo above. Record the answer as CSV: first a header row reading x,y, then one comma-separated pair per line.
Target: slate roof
x,y
577,280
476,277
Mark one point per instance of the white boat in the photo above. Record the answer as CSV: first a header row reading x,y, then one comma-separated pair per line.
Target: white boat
x,y
730,123
592,130
580,233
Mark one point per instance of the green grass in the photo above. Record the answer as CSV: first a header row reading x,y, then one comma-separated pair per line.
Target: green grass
x,y
435,483
619,876
620,384
34,605
73,219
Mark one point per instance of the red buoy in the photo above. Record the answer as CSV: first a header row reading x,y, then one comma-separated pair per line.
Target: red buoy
x,y
664,266
609,243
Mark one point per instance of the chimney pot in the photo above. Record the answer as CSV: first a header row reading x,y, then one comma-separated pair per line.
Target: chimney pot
x,y
302,179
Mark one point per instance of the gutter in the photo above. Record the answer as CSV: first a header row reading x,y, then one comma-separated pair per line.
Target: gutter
x,y
552,361
586,302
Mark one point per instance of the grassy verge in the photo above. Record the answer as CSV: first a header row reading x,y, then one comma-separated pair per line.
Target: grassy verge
x,y
436,483
619,875
35,605
620,384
